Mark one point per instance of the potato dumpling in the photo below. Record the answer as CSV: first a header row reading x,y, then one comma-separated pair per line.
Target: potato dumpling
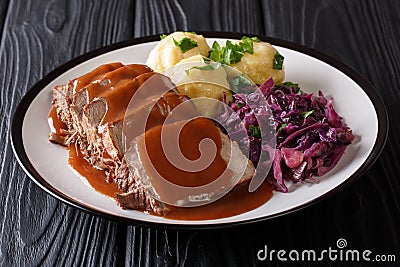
x,y
166,54
200,84
205,83
259,65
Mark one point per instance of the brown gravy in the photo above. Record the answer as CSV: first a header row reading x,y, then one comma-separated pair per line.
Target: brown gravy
x,y
95,177
104,82
116,83
189,139
239,200
57,126
164,105
93,75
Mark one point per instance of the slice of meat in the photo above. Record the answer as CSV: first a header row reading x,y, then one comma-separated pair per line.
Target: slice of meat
x,y
84,102
61,102
101,119
239,170
138,199
57,139
80,100
159,110
238,159
63,95
116,86
93,108
94,75
112,139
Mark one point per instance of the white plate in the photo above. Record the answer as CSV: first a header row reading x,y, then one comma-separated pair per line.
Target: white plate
x,y
355,100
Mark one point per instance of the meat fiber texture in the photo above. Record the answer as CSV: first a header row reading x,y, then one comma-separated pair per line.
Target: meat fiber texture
x,y
83,104
93,107
240,169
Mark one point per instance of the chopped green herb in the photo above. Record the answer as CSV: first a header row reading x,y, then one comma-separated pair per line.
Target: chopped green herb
x,y
231,53
290,84
278,61
255,131
307,113
253,39
185,44
246,45
212,66
215,52
283,125
162,36
192,33
240,105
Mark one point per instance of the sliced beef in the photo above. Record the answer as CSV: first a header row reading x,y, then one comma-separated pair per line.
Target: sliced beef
x,y
63,95
58,139
137,198
93,107
139,187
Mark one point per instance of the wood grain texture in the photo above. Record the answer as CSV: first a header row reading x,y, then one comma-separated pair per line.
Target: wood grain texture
x,y
3,13
37,36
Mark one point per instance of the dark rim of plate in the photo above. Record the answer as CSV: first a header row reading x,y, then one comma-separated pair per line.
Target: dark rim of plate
x,y
19,115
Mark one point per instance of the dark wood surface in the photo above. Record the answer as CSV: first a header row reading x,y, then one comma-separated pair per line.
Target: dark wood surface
x,y
37,36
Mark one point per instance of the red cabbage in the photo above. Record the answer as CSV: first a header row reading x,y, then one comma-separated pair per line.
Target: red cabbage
x,y
310,136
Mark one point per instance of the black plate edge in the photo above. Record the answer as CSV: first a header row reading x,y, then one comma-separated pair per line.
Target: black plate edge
x,y
19,114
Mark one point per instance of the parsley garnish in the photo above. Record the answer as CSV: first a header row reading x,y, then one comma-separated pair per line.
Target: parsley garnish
x,y
307,113
255,131
232,53
278,61
253,39
290,84
209,66
215,52
185,44
162,36
246,45
283,125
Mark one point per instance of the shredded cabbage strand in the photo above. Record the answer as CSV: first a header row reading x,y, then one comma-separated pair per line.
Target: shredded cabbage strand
x,y
310,135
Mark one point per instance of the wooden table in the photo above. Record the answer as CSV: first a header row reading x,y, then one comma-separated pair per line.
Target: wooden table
x,y
37,36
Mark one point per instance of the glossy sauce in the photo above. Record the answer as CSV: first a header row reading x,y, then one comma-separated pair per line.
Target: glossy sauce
x,y
116,83
57,126
164,106
95,177
94,75
190,136
239,200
